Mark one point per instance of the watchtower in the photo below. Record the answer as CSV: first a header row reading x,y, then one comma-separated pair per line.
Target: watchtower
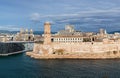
x,y
47,33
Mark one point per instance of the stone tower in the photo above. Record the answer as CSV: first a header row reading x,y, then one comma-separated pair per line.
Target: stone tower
x,y
22,31
31,31
26,31
47,33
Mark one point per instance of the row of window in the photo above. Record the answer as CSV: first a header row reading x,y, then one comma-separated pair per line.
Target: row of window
x,y
68,41
60,39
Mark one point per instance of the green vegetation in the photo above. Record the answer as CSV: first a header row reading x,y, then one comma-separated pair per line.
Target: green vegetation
x,y
86,40
39,42
59,51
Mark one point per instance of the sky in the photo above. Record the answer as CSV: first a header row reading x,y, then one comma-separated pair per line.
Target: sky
x,y
85,15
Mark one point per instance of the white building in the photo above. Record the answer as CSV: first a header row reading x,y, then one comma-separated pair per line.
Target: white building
x,y
67,39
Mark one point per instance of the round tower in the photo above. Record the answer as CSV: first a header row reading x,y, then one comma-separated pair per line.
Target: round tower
x,y
47,33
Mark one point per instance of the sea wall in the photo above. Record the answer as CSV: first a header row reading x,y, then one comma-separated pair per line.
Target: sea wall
x,y
28,46
8,48
83,50
96,50
77,48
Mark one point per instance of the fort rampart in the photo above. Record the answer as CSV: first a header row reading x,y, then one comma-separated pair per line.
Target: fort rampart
x,y
86,50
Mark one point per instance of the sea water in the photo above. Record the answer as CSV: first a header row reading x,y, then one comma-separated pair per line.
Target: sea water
x,y
22,66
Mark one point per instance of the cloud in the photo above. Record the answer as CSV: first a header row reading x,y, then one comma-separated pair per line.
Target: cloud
x,y
92,12
10,27
90,20
35,17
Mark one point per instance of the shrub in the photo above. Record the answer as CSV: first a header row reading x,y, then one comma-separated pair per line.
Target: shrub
x,y
59,51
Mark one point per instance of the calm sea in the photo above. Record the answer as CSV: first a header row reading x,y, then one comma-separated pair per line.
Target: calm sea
x,y
22,66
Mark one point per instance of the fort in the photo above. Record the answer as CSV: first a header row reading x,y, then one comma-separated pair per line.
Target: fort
x,y
76,45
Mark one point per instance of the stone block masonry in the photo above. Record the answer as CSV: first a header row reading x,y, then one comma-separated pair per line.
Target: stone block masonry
x,y
97,50
77,48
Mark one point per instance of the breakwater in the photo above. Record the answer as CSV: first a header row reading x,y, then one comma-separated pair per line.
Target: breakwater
x,y
14,48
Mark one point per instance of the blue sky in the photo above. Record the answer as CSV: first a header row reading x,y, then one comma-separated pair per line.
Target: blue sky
x,y
85,15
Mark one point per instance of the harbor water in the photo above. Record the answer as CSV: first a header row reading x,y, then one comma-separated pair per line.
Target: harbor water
x,y
22,66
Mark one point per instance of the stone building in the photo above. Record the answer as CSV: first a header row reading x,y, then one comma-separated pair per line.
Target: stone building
x,y
24,35
71,35
69,31
67,39
102,33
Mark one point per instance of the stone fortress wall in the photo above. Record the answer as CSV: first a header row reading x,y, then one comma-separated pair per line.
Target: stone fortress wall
x,y
78,48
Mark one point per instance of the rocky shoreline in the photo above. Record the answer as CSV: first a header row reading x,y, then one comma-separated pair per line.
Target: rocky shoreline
x,y
76,56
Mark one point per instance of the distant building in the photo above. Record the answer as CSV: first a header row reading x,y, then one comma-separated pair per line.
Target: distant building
x,y
24,35
69,31
70,35
69,28
102,32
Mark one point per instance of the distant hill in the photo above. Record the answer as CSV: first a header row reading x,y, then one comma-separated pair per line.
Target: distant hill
x,y
112,32
14,32
6,31
41,32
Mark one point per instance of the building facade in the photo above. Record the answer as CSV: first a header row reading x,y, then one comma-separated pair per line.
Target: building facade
x,y
24,35
67,39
